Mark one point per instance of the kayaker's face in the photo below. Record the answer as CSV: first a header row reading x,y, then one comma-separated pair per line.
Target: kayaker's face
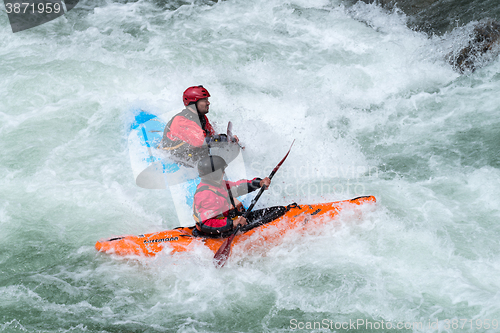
x,y
202,105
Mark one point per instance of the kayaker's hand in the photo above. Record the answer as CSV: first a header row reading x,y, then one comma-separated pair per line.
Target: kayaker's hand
x,y
239,205
235,139
240,220
265,182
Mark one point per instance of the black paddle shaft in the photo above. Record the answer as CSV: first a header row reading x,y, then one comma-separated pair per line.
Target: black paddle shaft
x,y
222,254
254,201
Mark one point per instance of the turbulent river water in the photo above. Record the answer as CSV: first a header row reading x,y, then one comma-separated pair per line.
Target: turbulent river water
x,y
374,107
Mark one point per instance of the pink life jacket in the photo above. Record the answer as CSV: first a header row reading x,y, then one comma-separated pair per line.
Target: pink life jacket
x,y
211,204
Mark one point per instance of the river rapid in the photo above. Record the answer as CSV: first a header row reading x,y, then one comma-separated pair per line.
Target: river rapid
x,y
374,107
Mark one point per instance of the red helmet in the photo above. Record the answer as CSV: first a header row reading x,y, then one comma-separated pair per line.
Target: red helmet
x,y
194,94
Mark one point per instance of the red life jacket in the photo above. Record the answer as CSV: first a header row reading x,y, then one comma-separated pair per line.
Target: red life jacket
x,y
184,135
211,205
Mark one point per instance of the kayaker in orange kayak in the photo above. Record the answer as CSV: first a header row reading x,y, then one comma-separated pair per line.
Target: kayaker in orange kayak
x,y
215,210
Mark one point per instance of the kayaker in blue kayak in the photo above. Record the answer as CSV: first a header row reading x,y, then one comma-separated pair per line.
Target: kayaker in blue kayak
x,y
188,134
215,209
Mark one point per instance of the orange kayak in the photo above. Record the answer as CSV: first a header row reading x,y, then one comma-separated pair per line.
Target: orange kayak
x,y
181,239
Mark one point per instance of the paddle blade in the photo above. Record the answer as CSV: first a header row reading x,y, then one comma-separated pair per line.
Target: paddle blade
x,y
222,254
230,135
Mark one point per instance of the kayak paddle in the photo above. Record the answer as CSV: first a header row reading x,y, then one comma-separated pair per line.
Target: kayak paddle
x,y
223,252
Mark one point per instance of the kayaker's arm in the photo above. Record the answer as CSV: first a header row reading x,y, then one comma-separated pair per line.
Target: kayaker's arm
x,y
243,187
265,182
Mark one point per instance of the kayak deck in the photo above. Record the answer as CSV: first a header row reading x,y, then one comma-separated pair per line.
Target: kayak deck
x,y
181,239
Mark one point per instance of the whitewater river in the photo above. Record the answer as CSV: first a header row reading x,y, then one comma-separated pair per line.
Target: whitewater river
x,y
374,108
